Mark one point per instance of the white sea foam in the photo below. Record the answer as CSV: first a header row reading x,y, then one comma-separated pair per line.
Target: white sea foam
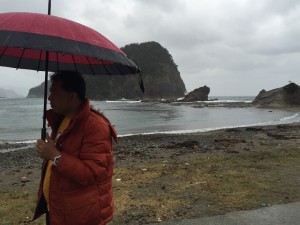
x,y
290,117
22,142
224,101
124,101
16,149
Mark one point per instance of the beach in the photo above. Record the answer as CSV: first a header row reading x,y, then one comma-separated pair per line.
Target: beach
x,y
162,177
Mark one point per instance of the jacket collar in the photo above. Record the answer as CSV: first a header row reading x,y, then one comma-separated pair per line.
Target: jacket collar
x,y
83,110
54,119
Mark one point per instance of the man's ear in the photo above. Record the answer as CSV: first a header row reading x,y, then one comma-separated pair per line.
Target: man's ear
x,y
73,96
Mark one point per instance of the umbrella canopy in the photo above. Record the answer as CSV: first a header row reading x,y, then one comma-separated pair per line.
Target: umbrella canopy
x,y
49,43
26,37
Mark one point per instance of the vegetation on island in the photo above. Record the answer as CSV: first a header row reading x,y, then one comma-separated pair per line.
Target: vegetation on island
x,y
160,76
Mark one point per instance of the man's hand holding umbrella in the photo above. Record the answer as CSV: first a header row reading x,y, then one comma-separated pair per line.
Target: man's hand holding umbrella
x,y
46,149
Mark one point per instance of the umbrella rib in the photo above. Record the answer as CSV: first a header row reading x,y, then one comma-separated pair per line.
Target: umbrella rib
x,y
3,52
74,63
57,64
105,67
20,58
40,58
90,65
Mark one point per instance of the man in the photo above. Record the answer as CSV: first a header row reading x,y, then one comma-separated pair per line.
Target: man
x,y
76,181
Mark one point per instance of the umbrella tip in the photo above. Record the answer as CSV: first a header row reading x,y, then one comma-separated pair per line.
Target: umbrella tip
x,y
142,87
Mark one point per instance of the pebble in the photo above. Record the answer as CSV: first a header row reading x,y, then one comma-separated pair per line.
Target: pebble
x,y
265,205
24,179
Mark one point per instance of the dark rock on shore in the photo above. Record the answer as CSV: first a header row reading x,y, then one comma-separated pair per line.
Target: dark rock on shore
x,y
288,95
254,129
186,144
199,94
230,140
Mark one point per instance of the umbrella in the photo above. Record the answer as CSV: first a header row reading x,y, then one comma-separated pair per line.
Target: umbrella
x,y
48,43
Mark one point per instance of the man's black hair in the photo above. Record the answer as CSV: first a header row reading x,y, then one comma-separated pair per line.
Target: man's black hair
x,y
71,82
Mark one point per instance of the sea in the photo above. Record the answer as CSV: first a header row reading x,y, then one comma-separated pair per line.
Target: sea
x,y
21,118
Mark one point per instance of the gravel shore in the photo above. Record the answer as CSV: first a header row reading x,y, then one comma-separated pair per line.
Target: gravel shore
x,y
150,184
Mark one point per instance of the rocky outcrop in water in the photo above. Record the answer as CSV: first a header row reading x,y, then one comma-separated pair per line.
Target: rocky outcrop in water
x,y
161,77
7,93
38,91
288,95
199,94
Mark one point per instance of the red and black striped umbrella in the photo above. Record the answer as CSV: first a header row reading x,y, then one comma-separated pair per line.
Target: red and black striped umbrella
x,y
49,43
26,37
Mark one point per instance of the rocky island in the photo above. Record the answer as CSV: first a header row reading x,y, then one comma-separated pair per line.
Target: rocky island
x,y
287,96
199,94
160,75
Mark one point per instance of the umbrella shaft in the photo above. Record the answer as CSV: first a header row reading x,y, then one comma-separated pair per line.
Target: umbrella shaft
x,y
43,134
49,7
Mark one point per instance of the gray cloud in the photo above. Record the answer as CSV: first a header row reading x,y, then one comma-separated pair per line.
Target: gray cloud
x,y
235,47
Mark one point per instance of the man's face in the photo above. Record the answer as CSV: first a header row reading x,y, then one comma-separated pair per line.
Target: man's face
x,y
59,98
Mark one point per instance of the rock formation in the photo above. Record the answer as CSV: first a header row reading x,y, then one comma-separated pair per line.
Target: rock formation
x,y
199,94
8,93
38,91
288,95
160,75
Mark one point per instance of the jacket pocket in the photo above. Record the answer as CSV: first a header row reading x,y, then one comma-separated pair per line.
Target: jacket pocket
x,y
82,207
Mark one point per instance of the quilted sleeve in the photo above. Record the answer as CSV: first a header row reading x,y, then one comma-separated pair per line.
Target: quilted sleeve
x,y
95,161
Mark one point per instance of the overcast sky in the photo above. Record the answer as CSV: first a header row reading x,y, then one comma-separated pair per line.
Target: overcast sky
x,y
236,47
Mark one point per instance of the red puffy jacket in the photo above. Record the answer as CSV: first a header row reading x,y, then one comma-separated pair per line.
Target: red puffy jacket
x,y
80,191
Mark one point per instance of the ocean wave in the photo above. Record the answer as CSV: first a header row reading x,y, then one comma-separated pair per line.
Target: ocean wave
x,y
22,142
124,101
290,117
225,101
215,101
12,149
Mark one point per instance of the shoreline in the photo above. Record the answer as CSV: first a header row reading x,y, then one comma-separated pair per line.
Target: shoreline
x,y
8,146
175,176
24,150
